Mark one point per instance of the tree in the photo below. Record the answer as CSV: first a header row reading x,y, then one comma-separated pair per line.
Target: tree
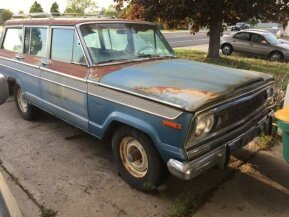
x,y
110,12
6,15
204,13
54,10
253,22
79,6
36,8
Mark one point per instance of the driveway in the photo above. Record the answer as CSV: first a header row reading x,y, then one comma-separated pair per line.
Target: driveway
x,y
50,165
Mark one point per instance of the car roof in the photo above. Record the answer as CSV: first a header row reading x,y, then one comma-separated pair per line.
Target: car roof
x,y
66,21
262,32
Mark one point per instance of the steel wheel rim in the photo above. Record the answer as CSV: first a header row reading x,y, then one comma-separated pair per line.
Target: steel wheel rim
x,y
134,157
227,50
22,102
276,57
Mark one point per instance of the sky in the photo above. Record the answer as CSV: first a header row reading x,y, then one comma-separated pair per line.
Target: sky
x,y
16,5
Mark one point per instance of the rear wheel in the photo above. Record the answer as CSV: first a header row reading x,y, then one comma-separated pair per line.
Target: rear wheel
x,y
227,49
137,160
276,56
25,109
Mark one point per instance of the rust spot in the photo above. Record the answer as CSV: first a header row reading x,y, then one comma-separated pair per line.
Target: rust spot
x,y
69,69
175,91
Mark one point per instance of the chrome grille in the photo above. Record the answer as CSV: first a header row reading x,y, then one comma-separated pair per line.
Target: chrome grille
x,y
239,111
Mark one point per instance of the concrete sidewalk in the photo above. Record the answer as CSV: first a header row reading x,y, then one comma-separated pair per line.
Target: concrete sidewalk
x,y
260,188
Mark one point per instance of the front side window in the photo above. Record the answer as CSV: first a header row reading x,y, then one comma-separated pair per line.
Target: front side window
x,y
13,40
124,41
35,41
65,46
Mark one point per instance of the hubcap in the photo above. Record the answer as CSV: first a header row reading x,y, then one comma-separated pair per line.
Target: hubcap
x,y
276,57
22,102
226,50
134,157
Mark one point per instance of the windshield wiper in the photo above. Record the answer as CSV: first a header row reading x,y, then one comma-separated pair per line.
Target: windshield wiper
x,y
152,55
110,61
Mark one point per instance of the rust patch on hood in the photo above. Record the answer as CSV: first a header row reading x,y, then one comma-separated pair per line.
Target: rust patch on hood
x,y
177,91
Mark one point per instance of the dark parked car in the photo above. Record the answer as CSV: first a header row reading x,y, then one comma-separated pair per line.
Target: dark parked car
x,y
239,27
120,80
256,43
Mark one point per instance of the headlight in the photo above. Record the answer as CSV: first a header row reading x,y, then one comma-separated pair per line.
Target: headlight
x,y
204,124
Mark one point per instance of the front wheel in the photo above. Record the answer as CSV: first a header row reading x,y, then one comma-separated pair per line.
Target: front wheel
x,y
25,109
276,56
137,160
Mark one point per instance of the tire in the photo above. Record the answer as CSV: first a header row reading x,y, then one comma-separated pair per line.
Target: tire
x,y
227,49
147,171
276,56
26,110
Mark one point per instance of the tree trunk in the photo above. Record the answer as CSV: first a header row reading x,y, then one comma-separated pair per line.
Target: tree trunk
x,y
215,25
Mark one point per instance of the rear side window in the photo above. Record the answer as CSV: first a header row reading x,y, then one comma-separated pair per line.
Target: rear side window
x,y
13,40
35,41
243,36
66,47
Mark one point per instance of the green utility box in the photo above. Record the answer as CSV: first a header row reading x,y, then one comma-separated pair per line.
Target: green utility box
x,y
283,124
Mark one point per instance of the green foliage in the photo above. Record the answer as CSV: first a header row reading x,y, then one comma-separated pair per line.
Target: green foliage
x,y
48,213
55,9
253,22
79,6
110,12
35,8
185,204
6,15
265,142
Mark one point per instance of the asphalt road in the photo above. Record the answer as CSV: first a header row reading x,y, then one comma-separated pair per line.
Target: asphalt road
x,y
185,39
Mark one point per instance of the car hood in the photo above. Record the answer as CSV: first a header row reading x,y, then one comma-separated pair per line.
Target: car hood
x,y
184,84
283,41
283,45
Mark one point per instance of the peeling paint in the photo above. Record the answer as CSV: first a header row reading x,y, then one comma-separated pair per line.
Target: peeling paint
x,y
177,91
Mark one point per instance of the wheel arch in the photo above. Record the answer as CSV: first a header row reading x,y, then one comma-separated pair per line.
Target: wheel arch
x,y
117,120
227,43
278,51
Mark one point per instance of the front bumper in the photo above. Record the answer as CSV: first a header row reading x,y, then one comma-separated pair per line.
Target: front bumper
x,y
219,156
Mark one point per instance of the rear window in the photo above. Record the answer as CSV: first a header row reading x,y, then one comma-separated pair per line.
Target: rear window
x,y
13,40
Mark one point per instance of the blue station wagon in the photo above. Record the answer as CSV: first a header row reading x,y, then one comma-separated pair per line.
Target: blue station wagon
x,y
120,80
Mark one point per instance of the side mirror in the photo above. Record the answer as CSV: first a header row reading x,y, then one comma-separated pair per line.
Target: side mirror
x,y
4,91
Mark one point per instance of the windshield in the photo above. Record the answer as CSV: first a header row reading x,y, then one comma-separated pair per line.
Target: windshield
x,y
272,39
124,41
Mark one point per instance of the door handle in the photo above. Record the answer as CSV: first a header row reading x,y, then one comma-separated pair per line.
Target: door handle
x,y
19,56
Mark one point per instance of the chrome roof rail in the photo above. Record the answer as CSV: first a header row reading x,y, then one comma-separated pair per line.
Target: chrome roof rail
x,y
60,15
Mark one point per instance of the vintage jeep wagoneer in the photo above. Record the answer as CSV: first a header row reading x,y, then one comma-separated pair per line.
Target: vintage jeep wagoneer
x,y
121,80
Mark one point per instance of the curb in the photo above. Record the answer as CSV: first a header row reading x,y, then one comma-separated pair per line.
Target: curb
x,y
8,205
